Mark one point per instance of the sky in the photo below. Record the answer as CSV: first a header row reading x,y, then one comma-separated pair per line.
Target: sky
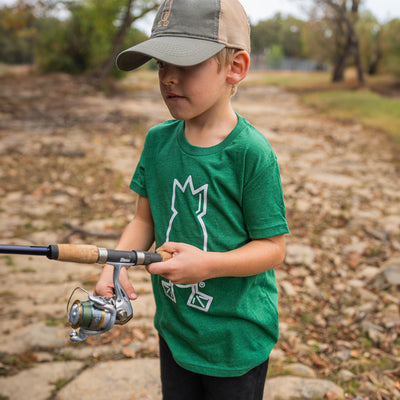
x,y
383,10
257,10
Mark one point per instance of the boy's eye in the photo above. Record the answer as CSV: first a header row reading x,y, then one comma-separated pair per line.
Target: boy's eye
x,y
161,64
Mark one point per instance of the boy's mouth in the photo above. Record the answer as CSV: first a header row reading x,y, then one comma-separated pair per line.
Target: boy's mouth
x,y
172,95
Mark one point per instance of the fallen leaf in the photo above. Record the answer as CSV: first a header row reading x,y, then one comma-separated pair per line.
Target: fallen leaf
x,y
331,396
128,352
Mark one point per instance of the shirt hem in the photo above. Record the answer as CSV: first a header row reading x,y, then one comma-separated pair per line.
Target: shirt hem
x,y
138,189
266,233
220,372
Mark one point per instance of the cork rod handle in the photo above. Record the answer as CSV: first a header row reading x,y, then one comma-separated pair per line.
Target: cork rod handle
x,y
79,253
165,256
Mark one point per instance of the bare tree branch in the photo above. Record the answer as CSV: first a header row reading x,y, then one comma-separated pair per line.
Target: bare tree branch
x,y
343,19
129,18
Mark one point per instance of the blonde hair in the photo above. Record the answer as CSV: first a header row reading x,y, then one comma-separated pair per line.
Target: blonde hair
x,y
224,58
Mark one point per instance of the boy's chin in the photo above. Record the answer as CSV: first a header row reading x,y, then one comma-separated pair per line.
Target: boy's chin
x,y
177,115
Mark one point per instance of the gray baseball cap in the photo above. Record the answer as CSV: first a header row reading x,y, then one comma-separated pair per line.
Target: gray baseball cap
x,y
188,32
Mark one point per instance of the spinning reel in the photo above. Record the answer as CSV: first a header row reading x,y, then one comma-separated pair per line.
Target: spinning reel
x,y
98,314
89,314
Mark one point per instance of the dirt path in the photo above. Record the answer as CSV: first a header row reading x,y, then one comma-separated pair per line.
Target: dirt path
x,y
67,155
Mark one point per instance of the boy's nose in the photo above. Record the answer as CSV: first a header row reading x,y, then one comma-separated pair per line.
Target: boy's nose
x,y
169,75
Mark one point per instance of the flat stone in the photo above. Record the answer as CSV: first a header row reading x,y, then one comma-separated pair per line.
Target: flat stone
x,y
300,370
389,275
333,179
39,382
123,380
293,387
144,306
34,335
391,272
298,254
346,375
288,288
391,223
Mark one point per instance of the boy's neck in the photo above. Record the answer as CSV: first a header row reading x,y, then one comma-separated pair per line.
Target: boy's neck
x,y
207,131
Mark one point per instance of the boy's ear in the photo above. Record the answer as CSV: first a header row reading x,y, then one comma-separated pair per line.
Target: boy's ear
x,y
238,68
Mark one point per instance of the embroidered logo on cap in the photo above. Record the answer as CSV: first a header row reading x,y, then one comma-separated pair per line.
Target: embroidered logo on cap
x,y
166,11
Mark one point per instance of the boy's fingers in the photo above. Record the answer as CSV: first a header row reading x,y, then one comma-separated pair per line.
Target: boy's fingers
x,y
103,290
104,286
156,268
168,246
126,284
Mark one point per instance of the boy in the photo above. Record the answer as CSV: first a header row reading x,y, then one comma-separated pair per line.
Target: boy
x,y
210,194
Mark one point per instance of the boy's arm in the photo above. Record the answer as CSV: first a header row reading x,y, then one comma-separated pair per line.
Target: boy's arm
x,y
138,235
191,265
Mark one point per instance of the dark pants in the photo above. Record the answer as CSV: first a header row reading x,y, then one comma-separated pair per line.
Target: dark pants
x,y
181,384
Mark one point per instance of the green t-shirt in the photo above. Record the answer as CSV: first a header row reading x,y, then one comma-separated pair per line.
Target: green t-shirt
x,y
216,198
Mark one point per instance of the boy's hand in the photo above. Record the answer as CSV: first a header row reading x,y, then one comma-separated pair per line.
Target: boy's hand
x,y
188,264
105,284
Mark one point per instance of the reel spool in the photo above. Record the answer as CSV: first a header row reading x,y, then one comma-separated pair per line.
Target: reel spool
x,y
93,316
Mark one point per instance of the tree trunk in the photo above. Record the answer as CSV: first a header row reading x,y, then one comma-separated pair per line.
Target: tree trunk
x,y
340,62
338,70
357,59
376,59
354,40
346,38
104,70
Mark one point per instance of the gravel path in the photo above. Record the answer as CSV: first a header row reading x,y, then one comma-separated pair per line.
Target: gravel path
x,y
67,155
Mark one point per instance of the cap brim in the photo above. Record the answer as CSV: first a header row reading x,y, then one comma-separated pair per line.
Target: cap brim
x,y
174,50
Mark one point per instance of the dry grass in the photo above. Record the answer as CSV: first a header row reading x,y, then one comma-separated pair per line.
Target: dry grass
x,y
375,105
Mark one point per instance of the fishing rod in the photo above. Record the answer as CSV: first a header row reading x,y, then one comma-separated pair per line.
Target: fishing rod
x,y
89,314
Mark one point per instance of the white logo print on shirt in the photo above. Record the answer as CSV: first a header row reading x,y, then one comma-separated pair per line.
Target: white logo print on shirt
x,y
196,299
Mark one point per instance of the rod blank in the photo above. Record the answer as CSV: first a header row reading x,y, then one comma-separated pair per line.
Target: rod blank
x,y
29,250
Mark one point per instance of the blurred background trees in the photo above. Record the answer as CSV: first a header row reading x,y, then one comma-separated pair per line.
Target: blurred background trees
x,y
84,36
336,36
71,36
17,33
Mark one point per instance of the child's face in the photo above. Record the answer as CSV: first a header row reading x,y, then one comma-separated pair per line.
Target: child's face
x,y
191,92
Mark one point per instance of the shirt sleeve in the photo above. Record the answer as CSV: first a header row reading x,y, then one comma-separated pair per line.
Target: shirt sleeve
x,y
138,182
263,203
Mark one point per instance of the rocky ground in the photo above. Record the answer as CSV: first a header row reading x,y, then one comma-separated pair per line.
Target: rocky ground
x,y
67,156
